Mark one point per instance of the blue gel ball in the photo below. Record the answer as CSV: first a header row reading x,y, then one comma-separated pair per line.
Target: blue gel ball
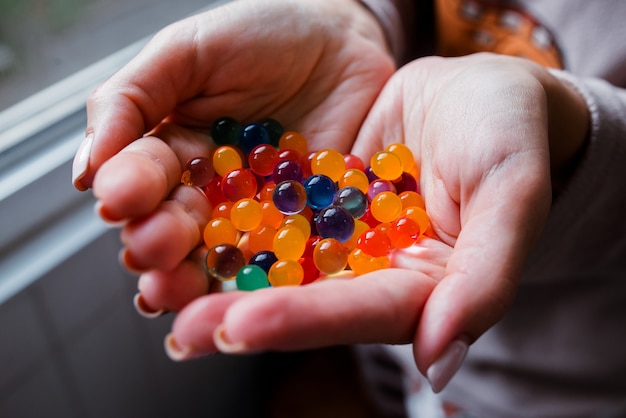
x,y
320,191
351,199
251,135
263,259
289,197
335,222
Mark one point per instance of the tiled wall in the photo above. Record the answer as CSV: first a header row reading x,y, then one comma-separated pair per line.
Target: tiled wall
x,y
71,345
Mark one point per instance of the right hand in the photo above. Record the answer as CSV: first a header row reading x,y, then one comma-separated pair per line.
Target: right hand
x,y
316,66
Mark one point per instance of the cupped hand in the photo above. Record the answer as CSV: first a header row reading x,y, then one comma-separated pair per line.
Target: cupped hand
x,y
489,132
316,66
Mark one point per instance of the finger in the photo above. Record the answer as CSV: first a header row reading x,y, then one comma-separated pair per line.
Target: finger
x,y
164,238
170,291
138,178
381,306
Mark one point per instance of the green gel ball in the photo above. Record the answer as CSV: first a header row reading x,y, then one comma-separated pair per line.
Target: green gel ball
x,y
251,277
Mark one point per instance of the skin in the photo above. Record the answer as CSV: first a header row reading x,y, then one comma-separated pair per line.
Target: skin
x,y
493,136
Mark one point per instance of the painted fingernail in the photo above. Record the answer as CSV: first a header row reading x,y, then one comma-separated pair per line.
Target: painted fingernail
x,y
80,164
445,367
144,310
224,345
175,351
126,260
105,215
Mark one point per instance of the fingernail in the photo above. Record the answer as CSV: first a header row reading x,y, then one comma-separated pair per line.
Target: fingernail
x,y
144,310
445,367
104,214
126,260
175,351
224,345
81,162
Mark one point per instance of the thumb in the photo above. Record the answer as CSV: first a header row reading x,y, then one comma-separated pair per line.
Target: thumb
x,y
500,223
133,101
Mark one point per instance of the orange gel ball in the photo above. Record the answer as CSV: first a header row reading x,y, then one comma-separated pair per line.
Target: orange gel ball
x,y
286,273
386,165
330,256
225,159
405,154
220,231
419,215
295,141
289,243
261,238
246,214
386,206
329,163
410,198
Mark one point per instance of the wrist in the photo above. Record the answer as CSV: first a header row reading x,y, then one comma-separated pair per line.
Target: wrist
x,y
568,129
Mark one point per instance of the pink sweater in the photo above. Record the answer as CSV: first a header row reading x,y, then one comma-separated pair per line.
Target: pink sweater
x,y
561,349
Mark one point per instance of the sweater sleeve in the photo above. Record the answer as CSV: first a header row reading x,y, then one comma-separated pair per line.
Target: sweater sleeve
x,y
408,26
587,223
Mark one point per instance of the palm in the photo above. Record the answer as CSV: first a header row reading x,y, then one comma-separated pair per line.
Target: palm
x,y
313,74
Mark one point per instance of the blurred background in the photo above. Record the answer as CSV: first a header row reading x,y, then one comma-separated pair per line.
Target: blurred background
x,y
71,344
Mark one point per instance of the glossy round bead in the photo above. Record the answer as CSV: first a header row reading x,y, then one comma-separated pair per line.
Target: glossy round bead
x,y
261,238
403,232
286,273
220,231
295,141
300,222
362,263
274,129
239,184
353,162
355,178
311,273
198,172
351,199
419,215
225,159
251,135
213,191
320,191
330,256
359,228
406,182
409,199
263,259
290,154
334,222
289,197
386,165
370,174
223,261
287,170
225,131
378,186
271,215
246,214
405,154
386,206
289,243
222,210
262,159
329,163
251,277
369,219
374,242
